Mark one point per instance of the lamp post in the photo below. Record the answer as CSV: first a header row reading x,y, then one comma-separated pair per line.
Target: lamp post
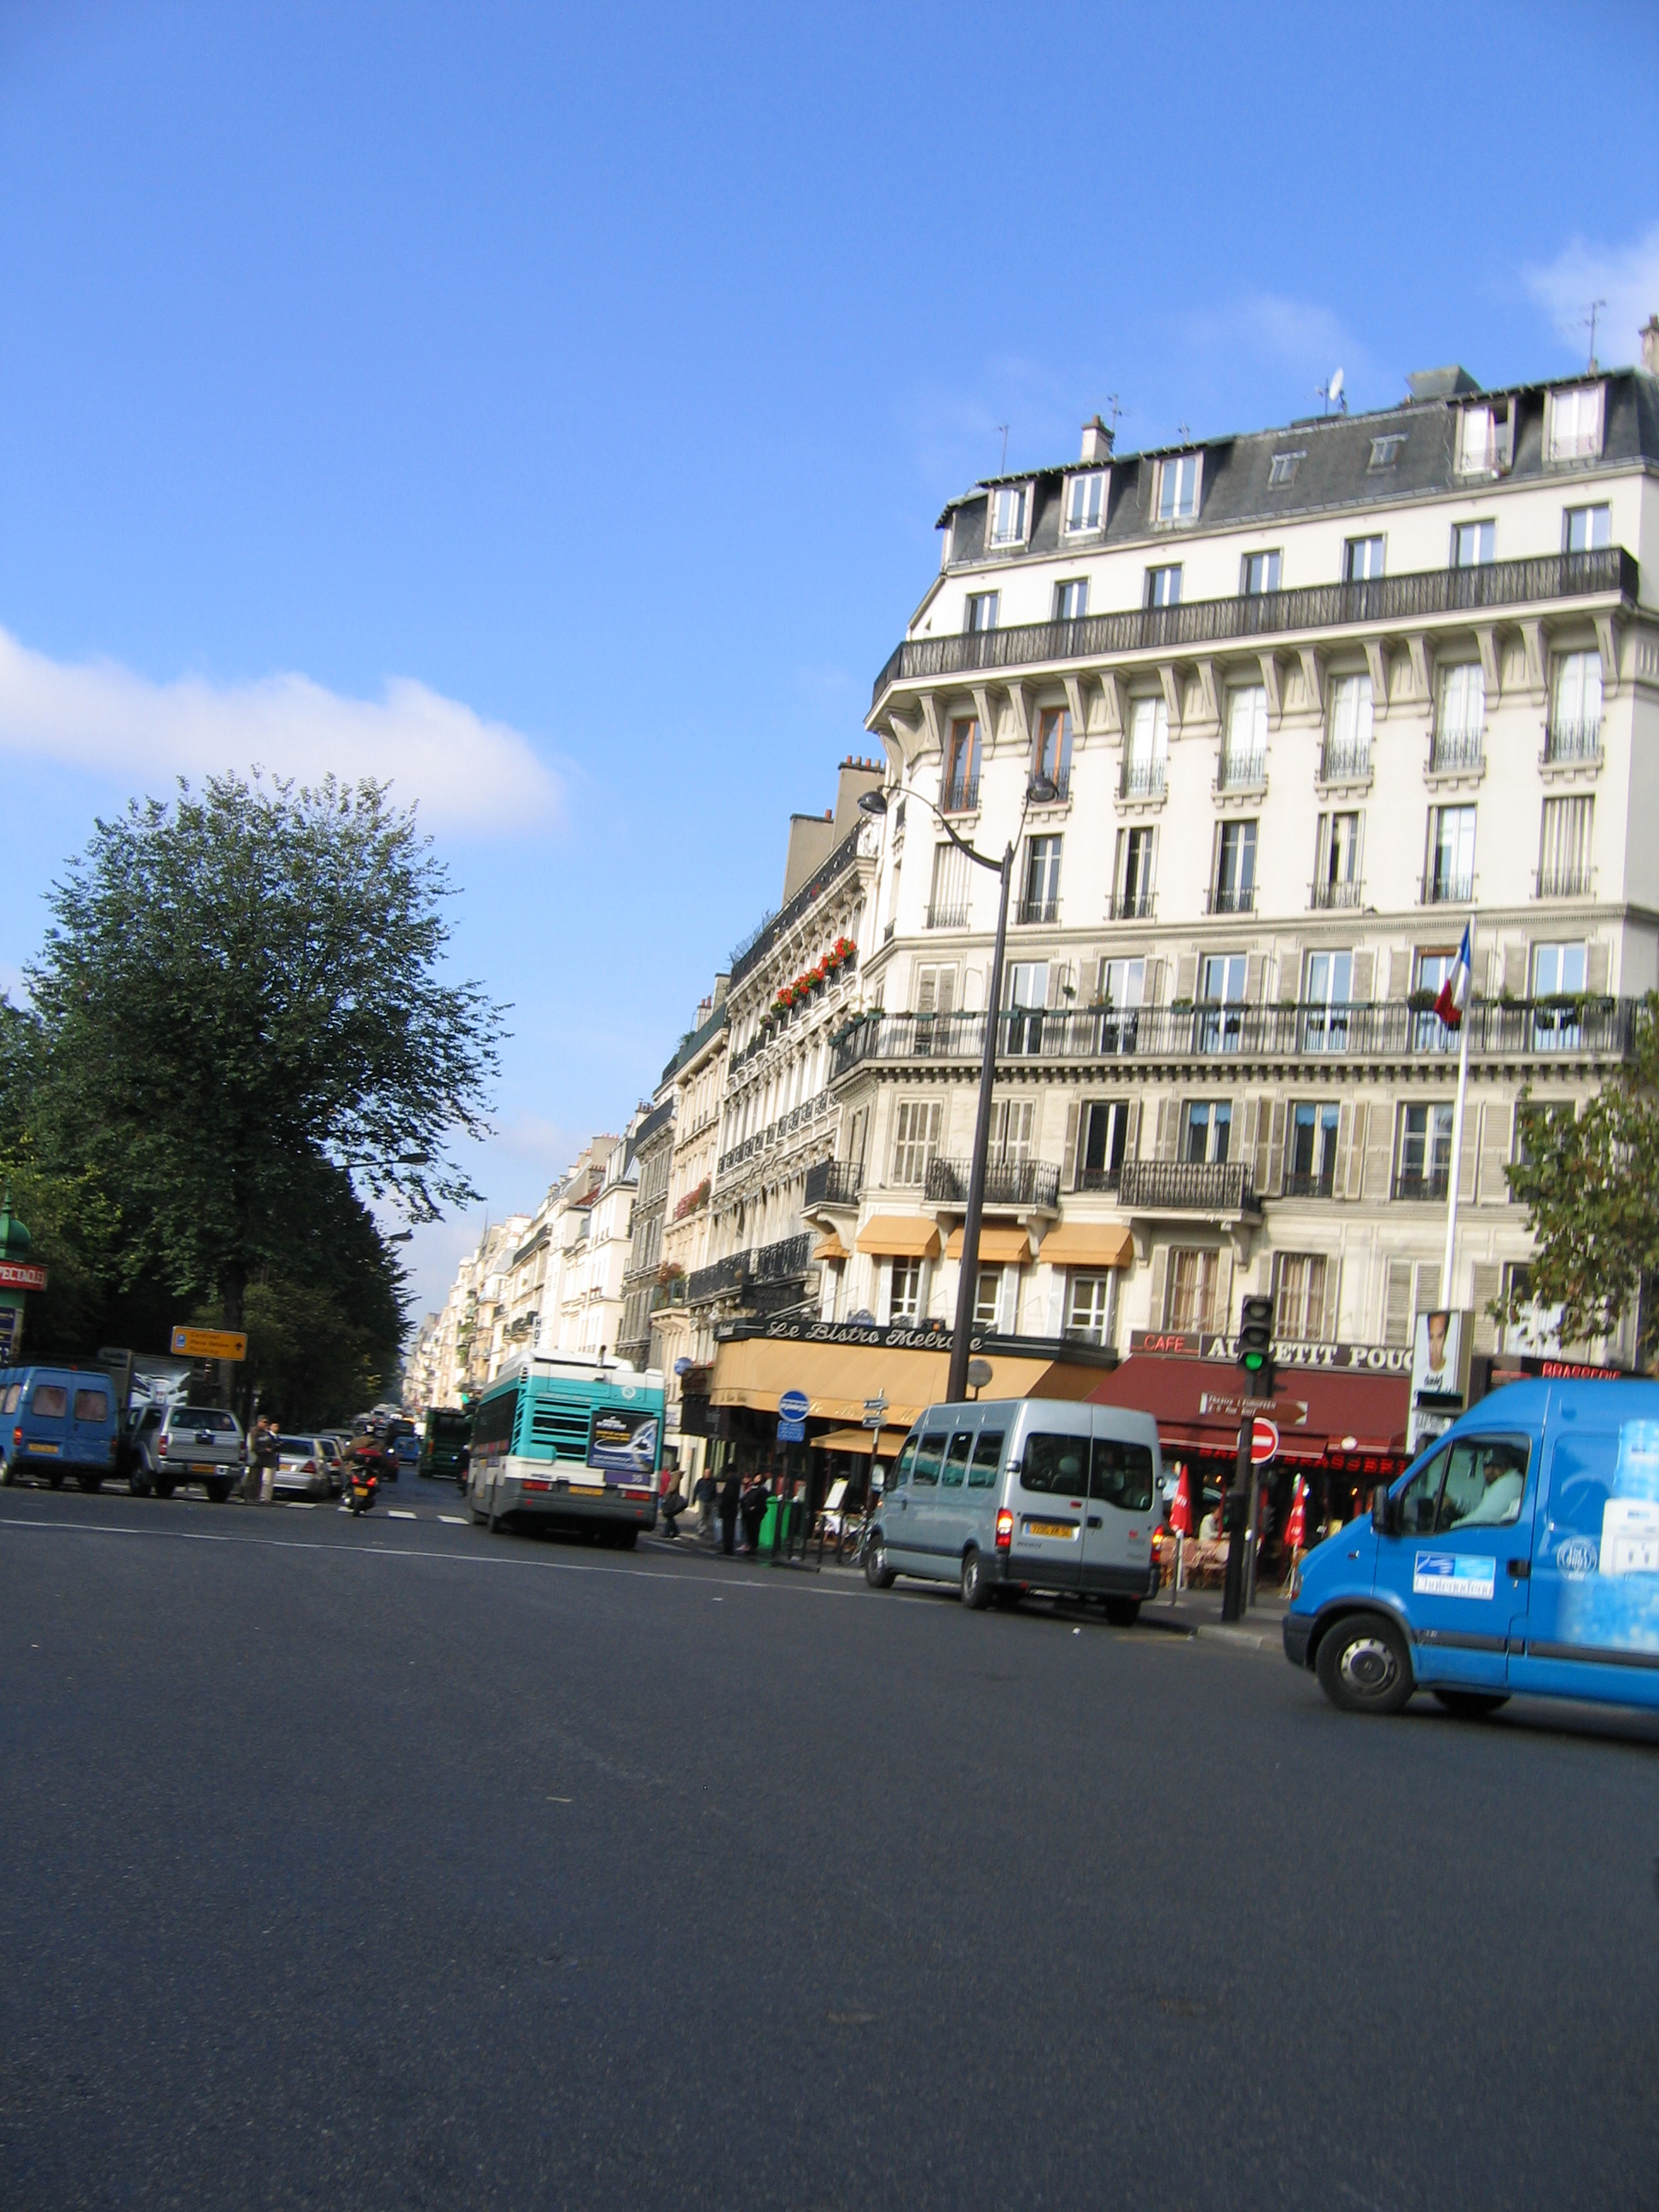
x,y
1041,788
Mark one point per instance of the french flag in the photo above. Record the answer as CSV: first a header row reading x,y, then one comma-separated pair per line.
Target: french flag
x,y
1454,991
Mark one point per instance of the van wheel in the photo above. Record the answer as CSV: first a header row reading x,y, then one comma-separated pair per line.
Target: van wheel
x,y
1363,1665
5,1473
877,1572
1122,1612
1472,1704
976,1582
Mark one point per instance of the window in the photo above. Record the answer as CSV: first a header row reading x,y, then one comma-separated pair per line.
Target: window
x,y
1557,972
960,792
1221,1001
1235,871
1131,877
1574,429
1425,1134
956,1460
1410,1288
1071,599
1284,467
1146,754
982,611
1053,748
1473,544
1013,1124
1300,1297
1085,503
1163,586
1457,742
1028,993
929,1452
936,990
1451,855
987,1458
1479,441
1327,993
1008,505
1429,1032
1244,748
1362,560
1189,1302
1102,1138
1348,732
1310,1165
1055,1466
1259,574
904,1305
91,1406
1178,487
1089,1308
1476,1483
948,906
1336,862
1207,1133
1040,895
1121,1474
1575,730
915,1140
1587,529
1385,451
50,1400
1564,854
1123,982
987,1297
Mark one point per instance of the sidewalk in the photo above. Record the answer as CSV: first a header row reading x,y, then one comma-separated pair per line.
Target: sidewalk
x,y
1198,1613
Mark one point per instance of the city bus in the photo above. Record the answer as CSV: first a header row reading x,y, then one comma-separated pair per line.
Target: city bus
x,y
448,1432
570,1442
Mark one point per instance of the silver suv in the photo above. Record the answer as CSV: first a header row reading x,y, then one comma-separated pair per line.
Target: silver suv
x,y
171,1444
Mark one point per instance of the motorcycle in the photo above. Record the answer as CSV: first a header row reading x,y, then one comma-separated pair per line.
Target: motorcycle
x,y
359,1487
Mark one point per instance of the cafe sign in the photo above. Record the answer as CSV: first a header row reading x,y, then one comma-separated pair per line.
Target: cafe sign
x,y
1332,1359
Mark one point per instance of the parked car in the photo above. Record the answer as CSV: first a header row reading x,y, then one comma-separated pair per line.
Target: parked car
x,y
188,1444
55,1421
308,1464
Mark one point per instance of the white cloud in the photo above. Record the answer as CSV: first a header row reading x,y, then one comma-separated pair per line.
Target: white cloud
x,y
468,773
1626,277
1301,335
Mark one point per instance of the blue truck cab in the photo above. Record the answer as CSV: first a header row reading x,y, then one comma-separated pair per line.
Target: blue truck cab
x,y
1518,1553
55,1421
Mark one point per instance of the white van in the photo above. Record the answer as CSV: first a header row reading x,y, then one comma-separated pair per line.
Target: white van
x,y
1008,1495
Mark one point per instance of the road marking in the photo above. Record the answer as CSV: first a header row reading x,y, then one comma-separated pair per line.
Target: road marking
x,y
398,1513
454,1519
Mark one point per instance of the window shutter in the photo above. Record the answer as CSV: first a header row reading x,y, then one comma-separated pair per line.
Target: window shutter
x,y
1400,971
1494,1189
1466,1166
926,990
1169,1127
1271,1173
1364,977
1515,969
947,989
1186,974
1154,982
1255,970
1059,974
1350,1151
1379,1151
1223,1311
1249,1131
1068,1172
1333,1285
1397,1303
1427,1289
1132,1132
1488,1281
1595,968
1155,1316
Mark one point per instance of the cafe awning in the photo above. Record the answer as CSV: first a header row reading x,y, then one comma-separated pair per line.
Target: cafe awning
x,y
1324,1416
887,1441
998,1247
829,1247
1088,1244
900,1236
838,1379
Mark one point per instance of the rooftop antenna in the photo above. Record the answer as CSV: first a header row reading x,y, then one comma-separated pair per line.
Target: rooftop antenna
x,y
1117,408
1590,316
1003,469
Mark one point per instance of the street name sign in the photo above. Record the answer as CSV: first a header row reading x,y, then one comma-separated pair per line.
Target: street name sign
x,y
210,1343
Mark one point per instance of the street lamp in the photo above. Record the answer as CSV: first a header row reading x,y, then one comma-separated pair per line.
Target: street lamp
x,y
1044,792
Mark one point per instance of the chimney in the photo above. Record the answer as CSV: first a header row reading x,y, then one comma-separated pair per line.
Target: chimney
x,y
1096,443
1649,335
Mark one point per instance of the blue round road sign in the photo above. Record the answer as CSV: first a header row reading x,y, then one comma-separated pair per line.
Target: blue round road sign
x,y
793,1405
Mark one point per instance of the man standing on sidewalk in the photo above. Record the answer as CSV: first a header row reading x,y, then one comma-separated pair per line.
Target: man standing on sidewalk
x,y
265,1450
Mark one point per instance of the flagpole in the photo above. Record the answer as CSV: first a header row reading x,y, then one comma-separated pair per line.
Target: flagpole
x,y
1455,1176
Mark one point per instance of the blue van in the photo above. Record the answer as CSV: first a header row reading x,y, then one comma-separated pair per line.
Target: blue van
x,y
1519,1553
55,1421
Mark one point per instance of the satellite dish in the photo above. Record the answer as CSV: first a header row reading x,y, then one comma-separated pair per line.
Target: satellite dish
x,y
1335,387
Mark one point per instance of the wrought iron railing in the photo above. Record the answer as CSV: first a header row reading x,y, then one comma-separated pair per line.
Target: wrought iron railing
x,y
721,1278
1331,896
1186,1187
1230,898
810,1110
1130,906
1408,598
959,796
1036,910
1305,1184
1349,762
1432,1186
1575,879
1007,1182
1242,771
1141,778
948,917
1457,752
805,899
834,1182
779,1262
1388,1031
1442,887
1572,743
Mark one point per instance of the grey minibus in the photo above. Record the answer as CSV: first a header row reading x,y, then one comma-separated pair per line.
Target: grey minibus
x,y
1009,1495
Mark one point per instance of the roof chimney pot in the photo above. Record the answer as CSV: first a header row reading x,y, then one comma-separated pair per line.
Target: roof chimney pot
x,y
1649,335
1096,442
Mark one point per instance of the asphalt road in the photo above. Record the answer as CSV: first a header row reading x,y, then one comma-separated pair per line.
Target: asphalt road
x,y
386,1863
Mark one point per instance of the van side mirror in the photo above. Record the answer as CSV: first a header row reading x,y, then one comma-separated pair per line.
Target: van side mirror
x,y
1382,1513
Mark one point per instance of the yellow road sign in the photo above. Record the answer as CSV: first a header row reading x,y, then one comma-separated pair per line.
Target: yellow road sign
x,y
210,1343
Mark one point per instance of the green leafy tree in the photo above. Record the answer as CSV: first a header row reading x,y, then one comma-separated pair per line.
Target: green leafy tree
x,y
242,998
1590,1184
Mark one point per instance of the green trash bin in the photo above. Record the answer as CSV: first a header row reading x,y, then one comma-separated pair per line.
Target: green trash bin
x,y
768,1525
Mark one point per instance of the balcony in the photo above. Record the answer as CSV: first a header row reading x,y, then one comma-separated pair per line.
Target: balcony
x,y
784,1260
1573,745
725,1279
1385,601
1186,1187
1442,887
1097,1179
1242,771
1388,1032
1332,898
834,1182
947,917
1349,763
959,796
1303,1184
1130,906
749,955
1229,898
1062,781
1007,1182
1457,752
1430,1188
1036,910
1141,778
1573,879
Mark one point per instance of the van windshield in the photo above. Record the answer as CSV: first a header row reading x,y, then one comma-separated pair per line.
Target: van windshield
x,y
1055,1463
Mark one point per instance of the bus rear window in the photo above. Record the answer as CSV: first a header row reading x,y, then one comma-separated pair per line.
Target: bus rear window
x,y
50,1400
91,1406
1055,1463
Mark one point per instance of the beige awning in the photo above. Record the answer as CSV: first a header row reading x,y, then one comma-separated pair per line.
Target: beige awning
x,y
998,1247
1088,1244
885,1441
840,1379
900,1236
829,1247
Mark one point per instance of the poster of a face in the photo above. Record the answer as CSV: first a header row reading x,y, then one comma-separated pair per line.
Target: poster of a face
x,y
1437,1363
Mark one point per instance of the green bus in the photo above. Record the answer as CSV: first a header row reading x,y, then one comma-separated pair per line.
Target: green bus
x,y
444,1442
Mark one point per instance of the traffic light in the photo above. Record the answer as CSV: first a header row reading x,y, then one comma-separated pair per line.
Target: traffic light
x,y
1255,1346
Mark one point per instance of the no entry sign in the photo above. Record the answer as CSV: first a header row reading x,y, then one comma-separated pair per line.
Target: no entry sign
x,y
1264,1440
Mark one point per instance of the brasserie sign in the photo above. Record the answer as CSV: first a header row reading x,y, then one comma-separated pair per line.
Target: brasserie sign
x,y
1336,1358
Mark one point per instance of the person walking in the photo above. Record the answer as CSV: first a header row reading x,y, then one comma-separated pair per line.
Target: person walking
x,y
265,1450
729,1490
706,1491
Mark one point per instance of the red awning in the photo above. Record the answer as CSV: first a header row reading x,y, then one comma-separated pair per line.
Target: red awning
x,y
1324,1416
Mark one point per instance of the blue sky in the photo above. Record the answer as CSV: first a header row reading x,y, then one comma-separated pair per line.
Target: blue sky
x,y
554,406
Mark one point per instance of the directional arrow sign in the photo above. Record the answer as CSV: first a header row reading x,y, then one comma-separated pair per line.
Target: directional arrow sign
x,y
1264,1440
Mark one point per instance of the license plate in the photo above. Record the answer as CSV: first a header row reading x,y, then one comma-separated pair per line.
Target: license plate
x,y
43,1448
1062,1529
587,1490
203,1467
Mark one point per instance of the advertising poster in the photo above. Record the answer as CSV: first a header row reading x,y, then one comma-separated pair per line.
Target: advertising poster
x,y
624,1443
1440,1371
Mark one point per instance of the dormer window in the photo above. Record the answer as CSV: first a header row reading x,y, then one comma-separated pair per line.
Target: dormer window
x,y
1284,467
1573,429
1009,503
1486,438
1178,485
1385,451
1085,502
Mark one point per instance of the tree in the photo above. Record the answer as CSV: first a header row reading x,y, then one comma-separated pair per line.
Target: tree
x,y
239,1001
1590,1183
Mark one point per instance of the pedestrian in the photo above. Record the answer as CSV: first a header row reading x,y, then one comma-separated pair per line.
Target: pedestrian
x,y
705,1493
729,1490
752,1507
263,1452
671,1504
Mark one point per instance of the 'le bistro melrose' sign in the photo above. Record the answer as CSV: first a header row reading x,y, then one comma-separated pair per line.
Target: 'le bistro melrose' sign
x,y
1342,1358
21,1275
